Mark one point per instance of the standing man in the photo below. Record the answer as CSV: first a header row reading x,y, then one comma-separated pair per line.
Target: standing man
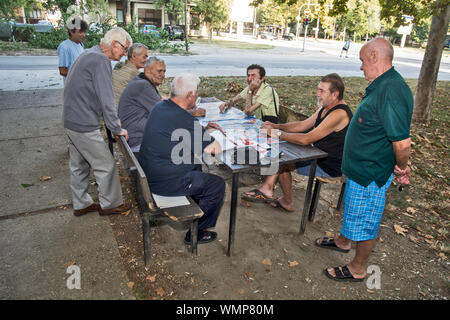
x,y
88,95
377,146
169,173
261,100
70,49
345,48
125,71
139,98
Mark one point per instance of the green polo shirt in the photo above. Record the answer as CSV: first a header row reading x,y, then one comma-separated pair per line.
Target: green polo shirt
x,y
383,116
265,96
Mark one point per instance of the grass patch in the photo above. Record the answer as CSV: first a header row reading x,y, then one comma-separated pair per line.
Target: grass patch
x,y
233,44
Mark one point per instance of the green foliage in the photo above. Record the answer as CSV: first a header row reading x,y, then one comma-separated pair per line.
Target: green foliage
x,y
47,40
8,8
213,13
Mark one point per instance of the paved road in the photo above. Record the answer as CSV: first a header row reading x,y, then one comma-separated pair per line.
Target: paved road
x,y
319,58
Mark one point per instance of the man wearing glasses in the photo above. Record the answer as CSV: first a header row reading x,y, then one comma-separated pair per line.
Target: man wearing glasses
x,y
88,95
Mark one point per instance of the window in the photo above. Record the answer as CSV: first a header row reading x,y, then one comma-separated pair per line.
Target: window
x,y
119,15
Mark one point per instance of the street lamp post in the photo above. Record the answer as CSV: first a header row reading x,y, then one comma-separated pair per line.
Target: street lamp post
x,y
306,27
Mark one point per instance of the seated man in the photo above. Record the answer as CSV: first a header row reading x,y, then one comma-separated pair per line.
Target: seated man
x,y
261,100
124,72
169,163
328,128
138,99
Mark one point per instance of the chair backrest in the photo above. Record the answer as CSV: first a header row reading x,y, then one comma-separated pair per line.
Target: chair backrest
x,y
131,161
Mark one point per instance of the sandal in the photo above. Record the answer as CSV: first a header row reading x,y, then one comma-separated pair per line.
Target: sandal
x,y
328,243
342,274
258,196
276,204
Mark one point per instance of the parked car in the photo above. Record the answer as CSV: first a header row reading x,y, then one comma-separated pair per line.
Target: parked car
x,y
174,32
289,36
447,42
150,29
268,36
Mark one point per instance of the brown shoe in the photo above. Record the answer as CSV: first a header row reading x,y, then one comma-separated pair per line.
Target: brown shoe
x,y
93,207
117,210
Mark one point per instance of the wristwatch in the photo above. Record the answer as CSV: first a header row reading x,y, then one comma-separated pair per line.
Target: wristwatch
x,y
278,133
249,92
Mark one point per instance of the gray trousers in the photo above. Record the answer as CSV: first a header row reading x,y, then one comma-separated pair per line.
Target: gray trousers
x,y
89,150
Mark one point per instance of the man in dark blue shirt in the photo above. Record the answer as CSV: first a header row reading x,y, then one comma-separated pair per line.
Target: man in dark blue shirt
x,y
171,147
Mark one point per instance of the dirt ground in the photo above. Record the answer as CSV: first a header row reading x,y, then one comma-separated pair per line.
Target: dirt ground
x,y
270,259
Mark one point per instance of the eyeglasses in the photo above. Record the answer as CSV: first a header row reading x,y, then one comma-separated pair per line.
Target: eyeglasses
x,y
123,47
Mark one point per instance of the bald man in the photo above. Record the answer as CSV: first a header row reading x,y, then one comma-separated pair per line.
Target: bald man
x,y
377,147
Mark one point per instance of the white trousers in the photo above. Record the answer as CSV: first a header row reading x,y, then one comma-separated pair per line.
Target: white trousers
x,y
88,150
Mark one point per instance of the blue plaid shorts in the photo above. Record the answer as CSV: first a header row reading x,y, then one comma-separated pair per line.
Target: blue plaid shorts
x,y
363,209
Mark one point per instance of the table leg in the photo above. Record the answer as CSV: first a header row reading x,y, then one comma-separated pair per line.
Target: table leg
x,y
312,173
234,189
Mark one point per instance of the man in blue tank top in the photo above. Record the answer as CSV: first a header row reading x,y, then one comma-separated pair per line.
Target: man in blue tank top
x,y
325,129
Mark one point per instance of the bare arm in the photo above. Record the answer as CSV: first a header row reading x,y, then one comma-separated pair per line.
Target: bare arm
x,y
229,103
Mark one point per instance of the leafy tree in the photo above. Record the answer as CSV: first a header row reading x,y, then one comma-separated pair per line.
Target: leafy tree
x,y
174,9
439,10
213,13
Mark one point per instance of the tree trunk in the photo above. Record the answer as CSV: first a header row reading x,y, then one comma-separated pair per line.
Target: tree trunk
x,y
426,84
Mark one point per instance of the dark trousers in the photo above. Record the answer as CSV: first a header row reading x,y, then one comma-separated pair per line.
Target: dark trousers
x,y
207,190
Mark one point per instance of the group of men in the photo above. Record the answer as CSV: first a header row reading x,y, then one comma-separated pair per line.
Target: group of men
x,y
369,147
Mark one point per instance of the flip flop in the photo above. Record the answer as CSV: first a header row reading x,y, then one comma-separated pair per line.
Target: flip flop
x,y
343,274
276,204
328,243
258,196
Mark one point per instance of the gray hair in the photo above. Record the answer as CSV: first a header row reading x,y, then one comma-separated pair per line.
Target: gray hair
x,y
137,49
116,34
184,83
152,60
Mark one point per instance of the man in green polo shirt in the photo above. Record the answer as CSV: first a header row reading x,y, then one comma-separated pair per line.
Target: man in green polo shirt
x,y
377,147
261,100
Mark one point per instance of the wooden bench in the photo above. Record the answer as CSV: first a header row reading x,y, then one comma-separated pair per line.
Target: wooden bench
x,y
315,198
148,207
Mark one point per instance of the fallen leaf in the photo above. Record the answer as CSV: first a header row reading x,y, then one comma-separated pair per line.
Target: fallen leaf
x,y
45,178
130,284
123,178
241,291
295,180
68,264
370,291
329,234
151,278
413,239
400,230
250,275
267,262
428,236
160,291
292,263
308,280
380,240
443,256
411,210
126,213
245,203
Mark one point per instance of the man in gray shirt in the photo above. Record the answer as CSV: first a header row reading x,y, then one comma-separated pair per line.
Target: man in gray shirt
x,y
138,99
88,95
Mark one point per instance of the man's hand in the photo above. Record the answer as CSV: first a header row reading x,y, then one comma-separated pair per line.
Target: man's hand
x,y
254,85
123,133
214,126
267,125
199,112
402,175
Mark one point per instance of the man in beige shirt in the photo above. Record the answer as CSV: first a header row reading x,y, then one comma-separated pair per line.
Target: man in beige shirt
x,y
125,71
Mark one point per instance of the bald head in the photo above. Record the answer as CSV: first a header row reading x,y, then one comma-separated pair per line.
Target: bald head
x,y
376,57
382,47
